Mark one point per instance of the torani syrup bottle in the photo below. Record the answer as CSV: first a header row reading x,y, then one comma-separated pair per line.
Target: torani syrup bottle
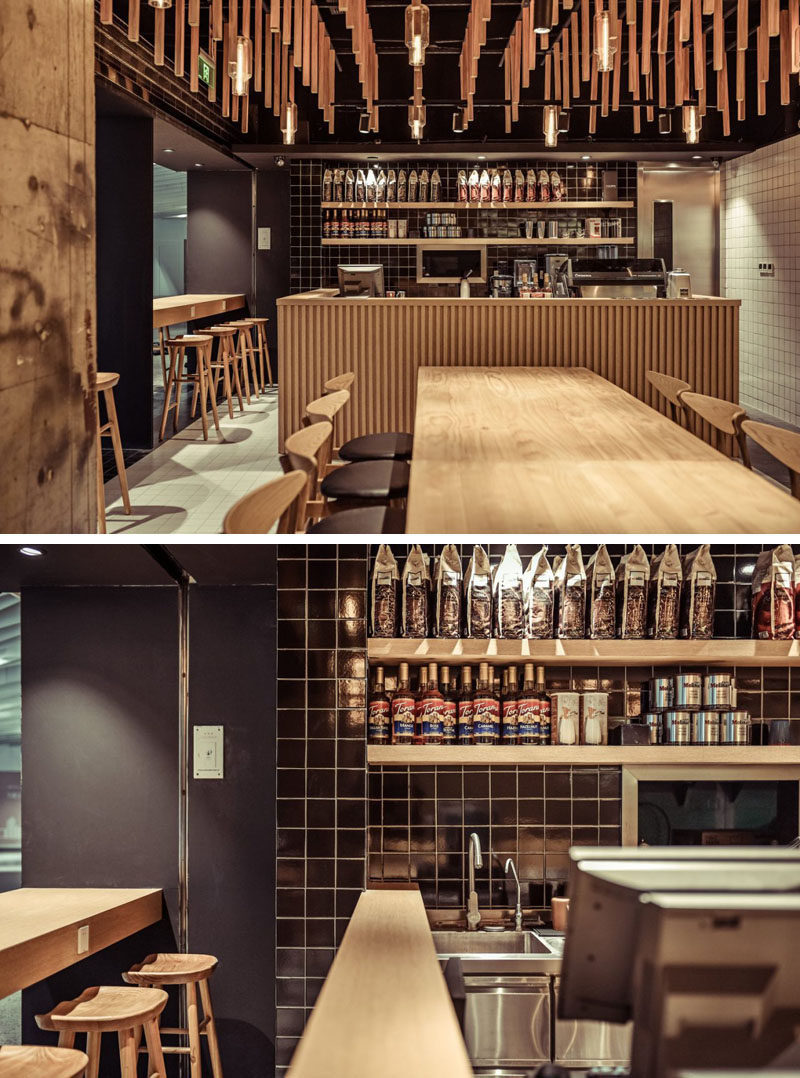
x,y
378,712
528,717
432,710
466,709
422,684
486,720
404,709
544,707
510,728
450,703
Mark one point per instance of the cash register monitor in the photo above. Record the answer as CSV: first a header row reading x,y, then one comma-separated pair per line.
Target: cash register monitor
x,y
358,281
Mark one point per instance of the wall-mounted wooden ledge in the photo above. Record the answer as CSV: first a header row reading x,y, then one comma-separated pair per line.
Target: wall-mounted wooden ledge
x,y
39,927
583,755
384,1009
589,652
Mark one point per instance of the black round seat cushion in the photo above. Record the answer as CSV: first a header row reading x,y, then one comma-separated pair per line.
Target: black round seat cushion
x,y
369,479
371,520
391,445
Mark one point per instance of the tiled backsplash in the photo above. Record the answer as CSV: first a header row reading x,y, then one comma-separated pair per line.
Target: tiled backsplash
x,y
314,266
760,211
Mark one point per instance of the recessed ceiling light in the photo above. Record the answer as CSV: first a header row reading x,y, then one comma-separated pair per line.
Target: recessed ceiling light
x,y
168,149
672,164
31,551
481,156
4,661
697,157
586,157
198,164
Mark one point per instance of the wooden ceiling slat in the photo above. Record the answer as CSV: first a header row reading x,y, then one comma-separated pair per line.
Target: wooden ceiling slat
x,y
177,61
258,45
307,43
723,92
557,71
685,20
718,31
773,18
786,59
647,35
702,91
194,55
679,59
548,76
526,45
106,12
216,20
297,34
637,119
662,43
742,24
604,93
593,96
762,53
565,70
158,45
586,47
697,46
575,54
314,51
617,81
277,60
794,34
133,20
286,31
662,81
267,78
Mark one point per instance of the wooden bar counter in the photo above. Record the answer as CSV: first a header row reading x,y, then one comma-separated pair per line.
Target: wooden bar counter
x,y
386,341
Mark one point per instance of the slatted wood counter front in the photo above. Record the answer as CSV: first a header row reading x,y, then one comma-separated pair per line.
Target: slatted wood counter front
x,y
386,341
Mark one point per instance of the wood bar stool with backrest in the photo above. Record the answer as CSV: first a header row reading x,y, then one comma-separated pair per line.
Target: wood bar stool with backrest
x,y
784,445
308,451
244,328
225,366
671,388
724,416
111,1009
200,377
262,348
274,503
386,445
104,383
192,971
38,1061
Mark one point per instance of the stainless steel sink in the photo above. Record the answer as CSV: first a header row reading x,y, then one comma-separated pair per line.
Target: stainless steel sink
x,y
489,943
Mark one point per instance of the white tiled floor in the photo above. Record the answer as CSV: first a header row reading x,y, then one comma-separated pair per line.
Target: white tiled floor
x,y
187,484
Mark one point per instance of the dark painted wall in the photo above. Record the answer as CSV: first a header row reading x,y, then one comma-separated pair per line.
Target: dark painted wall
x,y
232,820
272,267
219,248
124,161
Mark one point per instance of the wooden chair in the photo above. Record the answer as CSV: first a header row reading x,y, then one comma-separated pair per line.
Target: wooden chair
x,y
723,416
389,445
192,972
262,348
200,377
104,383
308,451
124,1011
784,445
163,337
37,1061
257,512
245,327
326,408
671,388
340,382
225,366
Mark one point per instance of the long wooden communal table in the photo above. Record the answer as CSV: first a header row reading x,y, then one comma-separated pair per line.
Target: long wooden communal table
x,y
39,927
563,450
172,310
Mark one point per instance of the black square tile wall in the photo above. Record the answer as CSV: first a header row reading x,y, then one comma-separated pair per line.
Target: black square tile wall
x,y
321,761
314,266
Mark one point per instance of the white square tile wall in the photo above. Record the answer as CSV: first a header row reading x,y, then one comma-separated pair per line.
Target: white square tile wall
x,y
760,227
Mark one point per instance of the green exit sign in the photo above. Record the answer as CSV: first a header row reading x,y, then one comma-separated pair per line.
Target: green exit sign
x,y
207,70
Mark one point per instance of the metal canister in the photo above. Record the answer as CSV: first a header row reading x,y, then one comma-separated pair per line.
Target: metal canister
x,y
705,727
652,720
717,691
660,693
677,729
688,691
735,728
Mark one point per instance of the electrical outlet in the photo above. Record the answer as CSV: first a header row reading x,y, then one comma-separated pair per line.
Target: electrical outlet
x,y
766,269
209,745
83,939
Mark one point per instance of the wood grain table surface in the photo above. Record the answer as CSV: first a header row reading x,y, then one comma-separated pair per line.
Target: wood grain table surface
x,y
546,449
171,310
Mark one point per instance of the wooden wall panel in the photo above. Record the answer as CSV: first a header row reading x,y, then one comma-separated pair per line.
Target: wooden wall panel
x,y
386,341
47,270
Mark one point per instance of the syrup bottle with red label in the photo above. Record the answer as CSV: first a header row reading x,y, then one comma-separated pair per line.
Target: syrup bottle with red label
x,y
486,716
378,712
450,707
432,709
404,709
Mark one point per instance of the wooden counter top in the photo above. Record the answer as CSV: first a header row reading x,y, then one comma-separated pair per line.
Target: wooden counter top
x,y
39,927
333,294
544,450
171,310
384,1010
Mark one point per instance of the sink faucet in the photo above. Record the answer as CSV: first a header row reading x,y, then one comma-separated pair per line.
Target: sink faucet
x,y
518,912
475,861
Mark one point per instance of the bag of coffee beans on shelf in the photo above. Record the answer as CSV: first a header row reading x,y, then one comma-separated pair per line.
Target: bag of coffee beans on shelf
x,y
361,186
402,186
338,185
383,615
530,185
570,593
478,595
509,605
538,585
697,597
461,184
436,186
633,575
600,595
773,595
416,588
519,185
448,593
327,185
664,602
424,181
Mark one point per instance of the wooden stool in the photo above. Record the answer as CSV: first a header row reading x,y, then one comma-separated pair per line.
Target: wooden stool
x,y
104,383
28,1061
163,339
124,1011
225,364
784,445
201,378
192,971
262,348
245,326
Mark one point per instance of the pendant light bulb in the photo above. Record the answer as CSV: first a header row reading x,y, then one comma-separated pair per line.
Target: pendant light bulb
x,y
418,33
550,125
542,16
240,68
605,45
160,4
289,123
416,121
691,123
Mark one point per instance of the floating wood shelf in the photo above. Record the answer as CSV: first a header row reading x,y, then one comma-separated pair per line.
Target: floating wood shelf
x,y
589,652
477,206
490,241
587,755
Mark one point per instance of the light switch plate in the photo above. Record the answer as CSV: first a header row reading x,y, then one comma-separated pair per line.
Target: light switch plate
x,y
83,939
264,239
766,269
208,752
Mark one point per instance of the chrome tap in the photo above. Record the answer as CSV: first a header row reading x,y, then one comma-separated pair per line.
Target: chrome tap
x,y
518,912
475,861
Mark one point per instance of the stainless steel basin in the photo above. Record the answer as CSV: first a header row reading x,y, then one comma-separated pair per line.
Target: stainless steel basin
x,y
488,943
